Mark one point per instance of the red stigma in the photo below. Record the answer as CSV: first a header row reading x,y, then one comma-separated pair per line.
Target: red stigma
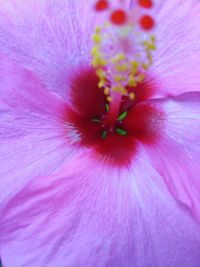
x,y
101,5
145,3
118,17
147,22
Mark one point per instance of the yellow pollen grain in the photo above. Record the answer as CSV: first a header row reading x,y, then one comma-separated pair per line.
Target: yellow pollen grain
x,y
95,62
97,38
95,51
119,88
118,58
100,73
145,66
121,68
141,78
134,67
109,99
132,96
98,62
134,64
124,92
119,78
132,81
103,62
152,46
106,91
101,83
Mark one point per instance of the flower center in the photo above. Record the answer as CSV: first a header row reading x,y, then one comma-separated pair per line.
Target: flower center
x,y
105,114
111,129
112,121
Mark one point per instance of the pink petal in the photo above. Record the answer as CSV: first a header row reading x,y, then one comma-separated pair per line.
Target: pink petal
x,y
176,61
90,215
177,155
49,37
32,138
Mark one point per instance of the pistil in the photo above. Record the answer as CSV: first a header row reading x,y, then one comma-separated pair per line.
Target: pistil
x,y
113,110
123,46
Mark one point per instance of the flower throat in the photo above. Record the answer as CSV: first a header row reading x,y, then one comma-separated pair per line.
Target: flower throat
x,y
106,113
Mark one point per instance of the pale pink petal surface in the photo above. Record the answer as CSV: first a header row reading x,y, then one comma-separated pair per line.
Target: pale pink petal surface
x,y
90,215
32,136
176,61
177,154
48,37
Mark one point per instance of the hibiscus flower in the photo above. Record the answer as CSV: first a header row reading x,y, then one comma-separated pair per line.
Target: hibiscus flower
x,y
98,169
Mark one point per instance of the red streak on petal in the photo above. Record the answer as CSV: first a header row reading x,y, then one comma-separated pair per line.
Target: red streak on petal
x,y
147,22
118,17
144,122
101,5
88,99
145,3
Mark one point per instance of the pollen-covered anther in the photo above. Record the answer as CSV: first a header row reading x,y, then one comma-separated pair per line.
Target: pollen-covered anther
x,y
132,81
106,91
119,57
119,78
121,68
132,96
109,99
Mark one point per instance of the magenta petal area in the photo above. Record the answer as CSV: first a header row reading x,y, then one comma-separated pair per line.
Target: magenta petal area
x,y
32,140
91,119
176,155
93,215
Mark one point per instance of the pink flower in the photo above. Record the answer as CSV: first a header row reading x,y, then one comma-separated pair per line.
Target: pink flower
x,y
83,183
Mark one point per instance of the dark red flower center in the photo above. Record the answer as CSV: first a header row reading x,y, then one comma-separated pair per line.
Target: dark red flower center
x,y
112,133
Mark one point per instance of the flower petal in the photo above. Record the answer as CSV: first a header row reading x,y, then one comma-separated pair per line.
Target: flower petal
x,y
176,64
90,215
177,154
49,37
32,129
